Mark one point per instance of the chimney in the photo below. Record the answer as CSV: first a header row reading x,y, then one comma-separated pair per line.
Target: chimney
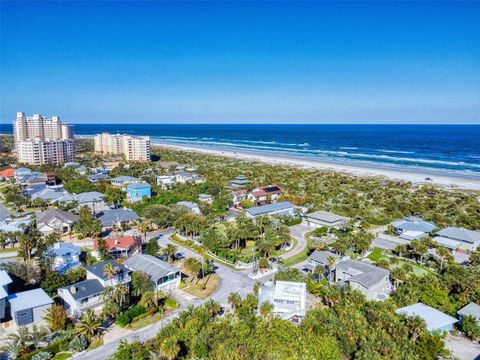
x,y
117,242
73,289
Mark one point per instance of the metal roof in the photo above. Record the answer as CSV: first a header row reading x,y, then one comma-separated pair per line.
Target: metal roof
x,y
325,216
434,319
265,209
150,265
29,299
414,223
143,185
471,309
5,279
461,234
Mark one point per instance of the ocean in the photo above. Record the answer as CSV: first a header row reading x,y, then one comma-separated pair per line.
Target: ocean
x,y
436,149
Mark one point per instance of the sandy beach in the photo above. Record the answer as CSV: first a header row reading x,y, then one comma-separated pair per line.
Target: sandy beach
x,y
415,177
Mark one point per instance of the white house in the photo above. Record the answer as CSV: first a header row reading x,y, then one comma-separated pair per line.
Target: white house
x,y
206,198
324,218
265,194
190,206
412,228
81,296
289,299
122,181
164,276
458,238
166,181
54,220
183,177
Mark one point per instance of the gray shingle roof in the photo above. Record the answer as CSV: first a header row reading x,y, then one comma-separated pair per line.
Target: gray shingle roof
x,y
110,217
97,177
471,309
47,194
367,275
97,269
265,209
150,265
85,289
125,178
44,217
325,216
461,234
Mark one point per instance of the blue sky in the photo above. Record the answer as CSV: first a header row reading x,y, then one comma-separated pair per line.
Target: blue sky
x,y
175,62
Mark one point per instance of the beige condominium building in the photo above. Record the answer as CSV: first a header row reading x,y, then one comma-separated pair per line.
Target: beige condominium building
x,y
134,148
40,140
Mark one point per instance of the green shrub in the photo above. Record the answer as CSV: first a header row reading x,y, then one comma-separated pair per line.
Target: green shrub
x,y
62,356
135,311
140,317
293,221
182,285
96,342
42,355
52,348
122,320
170,303
78,344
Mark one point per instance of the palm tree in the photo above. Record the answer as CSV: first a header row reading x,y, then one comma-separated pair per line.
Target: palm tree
x,y
266,310
38,335
117,294
12,348
110,271
234,300
170,251
149,301
212,307
89,325
170,348
331,267
144,227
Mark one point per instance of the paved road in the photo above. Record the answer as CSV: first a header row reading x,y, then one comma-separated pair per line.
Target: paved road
x,y
298,232
230,281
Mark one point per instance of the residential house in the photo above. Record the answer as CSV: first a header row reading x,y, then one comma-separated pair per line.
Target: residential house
x,y
435,320
15,225
166,181
190,206
289,299
49,194
373,281
81,170
239,182
122,181
138,191
122,246
92,199
54,220
456,238
95,178
471,309
282,208
81,296
164,276
206,198
4,212
183,177
7,174
65,256
98,272
238,196
5,280
265,194
324,218
412,228
29,307
117,217
321,258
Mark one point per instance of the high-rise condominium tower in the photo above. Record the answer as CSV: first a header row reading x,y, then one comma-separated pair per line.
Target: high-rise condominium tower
x,y
40,140
134,148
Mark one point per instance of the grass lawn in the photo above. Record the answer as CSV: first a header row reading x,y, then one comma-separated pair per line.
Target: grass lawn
x,y
211,283
376,254
417,269
145,321
8,249
295,259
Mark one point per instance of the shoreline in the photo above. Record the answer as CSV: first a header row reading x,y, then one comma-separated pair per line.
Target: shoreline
x,y
446,181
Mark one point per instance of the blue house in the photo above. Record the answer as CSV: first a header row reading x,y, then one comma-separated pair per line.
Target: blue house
x,y
136,192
